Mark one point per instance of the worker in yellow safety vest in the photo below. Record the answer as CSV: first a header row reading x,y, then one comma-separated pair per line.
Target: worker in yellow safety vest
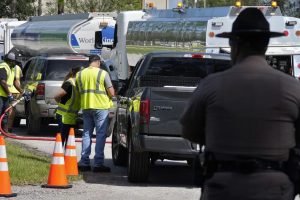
x,y
96,91
68,100
6,82
16,90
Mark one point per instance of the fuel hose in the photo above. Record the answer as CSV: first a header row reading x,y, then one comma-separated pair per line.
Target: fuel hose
x,y
13,136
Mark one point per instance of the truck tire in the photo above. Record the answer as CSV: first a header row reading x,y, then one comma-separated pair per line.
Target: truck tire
x,y
138,164
33,124
119,152
198,178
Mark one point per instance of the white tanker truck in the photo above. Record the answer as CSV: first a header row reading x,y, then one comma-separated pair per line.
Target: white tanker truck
x,y
68,34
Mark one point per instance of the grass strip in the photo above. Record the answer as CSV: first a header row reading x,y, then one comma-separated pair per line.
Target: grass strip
x,y
28,166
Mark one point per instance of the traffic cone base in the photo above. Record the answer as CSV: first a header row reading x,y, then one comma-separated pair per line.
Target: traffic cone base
x,y
57,176
5,187
70,155
57,187
5,183
8,195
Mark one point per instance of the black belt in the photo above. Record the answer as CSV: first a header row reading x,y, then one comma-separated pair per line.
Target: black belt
x,y
248,166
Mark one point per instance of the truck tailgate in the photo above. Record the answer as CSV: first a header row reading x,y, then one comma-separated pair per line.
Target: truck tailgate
x,y
166,106
51,89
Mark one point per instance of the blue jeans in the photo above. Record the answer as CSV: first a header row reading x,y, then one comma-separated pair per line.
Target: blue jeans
x,y
93,118
3,105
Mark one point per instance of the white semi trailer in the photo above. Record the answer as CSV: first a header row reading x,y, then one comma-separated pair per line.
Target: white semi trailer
x,y
6,28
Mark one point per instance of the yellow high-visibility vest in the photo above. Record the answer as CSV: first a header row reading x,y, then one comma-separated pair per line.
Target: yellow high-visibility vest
x,y
69,110
17,74
9,80
90,82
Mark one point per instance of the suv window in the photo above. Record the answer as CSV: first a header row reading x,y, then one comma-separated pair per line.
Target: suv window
x,y
38,72
30,70
57,69
185,67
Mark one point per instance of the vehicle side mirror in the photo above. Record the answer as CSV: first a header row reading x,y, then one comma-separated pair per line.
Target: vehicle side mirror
x,y
103,40
111,68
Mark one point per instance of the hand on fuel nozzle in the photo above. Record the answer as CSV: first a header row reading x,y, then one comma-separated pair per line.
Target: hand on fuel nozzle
x,y
27,95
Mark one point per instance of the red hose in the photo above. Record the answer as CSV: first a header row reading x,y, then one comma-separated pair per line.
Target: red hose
x,y
27,137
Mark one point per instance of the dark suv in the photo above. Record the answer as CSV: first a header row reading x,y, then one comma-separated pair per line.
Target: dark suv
x,y
43,75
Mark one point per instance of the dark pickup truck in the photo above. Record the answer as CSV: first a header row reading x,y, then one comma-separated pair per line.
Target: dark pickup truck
x,y
149,106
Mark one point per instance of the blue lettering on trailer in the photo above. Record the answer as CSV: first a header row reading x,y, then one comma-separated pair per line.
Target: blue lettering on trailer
x,y
74,41
108,35
95,51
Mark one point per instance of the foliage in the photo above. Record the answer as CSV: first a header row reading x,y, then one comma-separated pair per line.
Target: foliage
x,y
20,9
80,6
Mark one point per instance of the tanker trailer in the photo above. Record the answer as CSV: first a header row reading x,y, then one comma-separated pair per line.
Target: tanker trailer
x,y
67,33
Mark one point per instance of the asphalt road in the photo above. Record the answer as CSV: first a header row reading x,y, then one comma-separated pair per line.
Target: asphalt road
x,y
167,180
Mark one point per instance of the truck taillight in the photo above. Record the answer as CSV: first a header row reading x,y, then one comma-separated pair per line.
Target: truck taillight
x,y
145,111
197,56
40,91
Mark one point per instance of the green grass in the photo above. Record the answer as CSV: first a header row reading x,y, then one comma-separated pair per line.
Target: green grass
x,y
147,49
27,166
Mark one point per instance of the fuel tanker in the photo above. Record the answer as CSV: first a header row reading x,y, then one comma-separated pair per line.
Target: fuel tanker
x,y
67,33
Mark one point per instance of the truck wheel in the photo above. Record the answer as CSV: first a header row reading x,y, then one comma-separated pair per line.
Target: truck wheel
x,y
119,153
33,124
138,164
198,178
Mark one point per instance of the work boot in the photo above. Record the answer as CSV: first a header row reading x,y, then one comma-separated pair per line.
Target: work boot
x,y
101,168
84,168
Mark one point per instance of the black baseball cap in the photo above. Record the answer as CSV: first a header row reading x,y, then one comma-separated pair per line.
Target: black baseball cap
x,y
93,58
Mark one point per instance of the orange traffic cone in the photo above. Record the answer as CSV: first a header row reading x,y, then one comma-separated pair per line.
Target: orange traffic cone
x,y
70,155
57,176
5,188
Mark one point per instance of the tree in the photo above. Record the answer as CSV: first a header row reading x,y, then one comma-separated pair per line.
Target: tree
x,y
60,6
20,9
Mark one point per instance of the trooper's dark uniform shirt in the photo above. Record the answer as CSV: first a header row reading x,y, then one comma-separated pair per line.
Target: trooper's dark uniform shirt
x,y
249,110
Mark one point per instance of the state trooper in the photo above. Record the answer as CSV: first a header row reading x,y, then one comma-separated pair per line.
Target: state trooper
x,y
247,117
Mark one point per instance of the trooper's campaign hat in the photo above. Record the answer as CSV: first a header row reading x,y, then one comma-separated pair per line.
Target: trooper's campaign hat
x,y
250,22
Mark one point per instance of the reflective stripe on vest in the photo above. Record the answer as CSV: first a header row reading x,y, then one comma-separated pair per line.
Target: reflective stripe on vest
x,y
69,110
9,80
93,96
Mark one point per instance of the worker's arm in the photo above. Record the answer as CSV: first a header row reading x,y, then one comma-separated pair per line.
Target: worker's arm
x,y
17,85
109,87
3,82
5,87
65,89
18,75
111,92
60,93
